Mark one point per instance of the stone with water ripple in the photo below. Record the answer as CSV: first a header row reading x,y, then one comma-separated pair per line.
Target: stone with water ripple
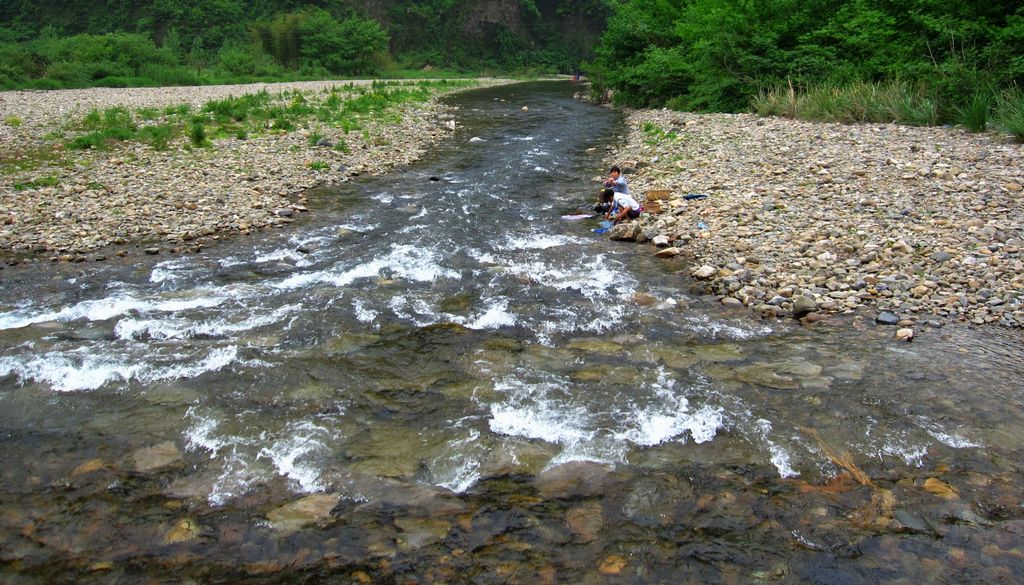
x,y
516,456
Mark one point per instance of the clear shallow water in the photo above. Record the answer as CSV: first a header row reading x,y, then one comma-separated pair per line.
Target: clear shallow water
x,y
482,388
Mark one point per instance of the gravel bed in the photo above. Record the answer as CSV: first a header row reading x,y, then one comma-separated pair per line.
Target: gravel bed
x,y
917,225
83,205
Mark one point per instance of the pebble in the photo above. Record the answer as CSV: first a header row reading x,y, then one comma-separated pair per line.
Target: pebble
x,y
803,306
887,318
905,334
705,272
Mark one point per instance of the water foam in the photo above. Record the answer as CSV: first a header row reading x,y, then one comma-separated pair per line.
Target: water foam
x,y
294,456
180,328
496,315
946,438
537,242
363,313
107,308
403,261
459,470
85,368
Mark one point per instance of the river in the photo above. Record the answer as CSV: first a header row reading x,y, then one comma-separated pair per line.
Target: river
x,y
435,378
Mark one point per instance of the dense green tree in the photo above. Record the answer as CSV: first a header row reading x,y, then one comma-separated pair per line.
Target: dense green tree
x,y
717,54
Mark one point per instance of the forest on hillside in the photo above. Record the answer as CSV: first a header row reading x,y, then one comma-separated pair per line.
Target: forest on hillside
x,y
908,61
62,43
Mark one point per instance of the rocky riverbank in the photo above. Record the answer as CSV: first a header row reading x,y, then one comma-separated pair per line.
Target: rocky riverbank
x,y
73,205
915,225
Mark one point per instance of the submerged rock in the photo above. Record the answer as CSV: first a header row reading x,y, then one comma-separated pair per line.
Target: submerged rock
x,y
419,532
585,521
576,478
185,530
301,513
156,457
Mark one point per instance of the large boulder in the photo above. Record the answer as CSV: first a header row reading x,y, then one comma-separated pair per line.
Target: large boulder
x,y
625,231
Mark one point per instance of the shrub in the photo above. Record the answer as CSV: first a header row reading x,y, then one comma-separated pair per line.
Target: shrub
x,y
158,136
197,134
70,74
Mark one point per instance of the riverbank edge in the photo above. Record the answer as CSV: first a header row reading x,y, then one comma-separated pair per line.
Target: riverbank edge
x,y
905,226
133,199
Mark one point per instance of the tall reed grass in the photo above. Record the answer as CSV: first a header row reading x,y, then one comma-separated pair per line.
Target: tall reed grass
x,y
897,102
1010,113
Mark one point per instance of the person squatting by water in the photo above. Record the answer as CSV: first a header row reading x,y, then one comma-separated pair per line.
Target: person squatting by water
x,y
616,202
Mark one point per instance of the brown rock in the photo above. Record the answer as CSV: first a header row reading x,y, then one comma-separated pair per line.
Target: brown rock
x,y
612,565
941,489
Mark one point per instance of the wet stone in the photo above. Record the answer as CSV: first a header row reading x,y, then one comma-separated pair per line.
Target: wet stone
x,y
585,521
185,530
577,478
802,306
515,456
88,467
419,532
887,318
654,501
302,513
157,457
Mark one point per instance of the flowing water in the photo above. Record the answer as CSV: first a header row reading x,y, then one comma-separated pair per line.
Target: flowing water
x,y
435,378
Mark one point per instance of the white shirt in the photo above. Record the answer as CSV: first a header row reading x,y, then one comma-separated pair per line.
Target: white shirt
x,y
624,200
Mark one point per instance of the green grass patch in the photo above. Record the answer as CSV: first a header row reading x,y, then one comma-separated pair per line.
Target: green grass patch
x,y
346,107
148,114
37,183
342,146
104,129
655,135
238,108
319,165
13,121
179,110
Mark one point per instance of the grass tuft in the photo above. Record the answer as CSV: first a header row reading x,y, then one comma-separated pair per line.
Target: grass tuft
x,y
1010,113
